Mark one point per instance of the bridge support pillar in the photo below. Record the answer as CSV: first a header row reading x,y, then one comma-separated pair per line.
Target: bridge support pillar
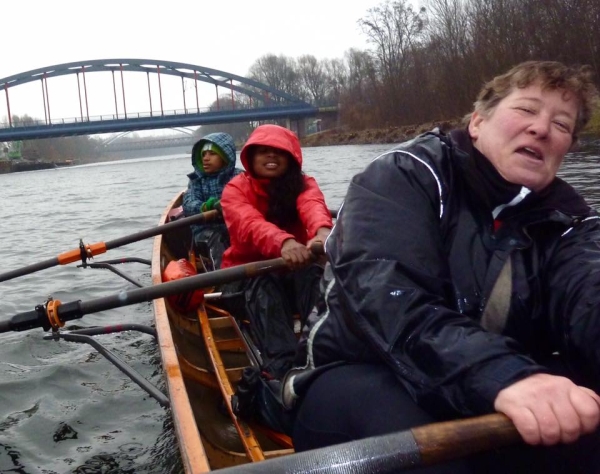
x,y
301,128
296,126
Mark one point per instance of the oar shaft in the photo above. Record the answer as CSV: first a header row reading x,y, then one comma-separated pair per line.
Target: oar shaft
x,y
384,454
55,314
76,309
395,452
100,247
36,318
203,280
34,267
162,229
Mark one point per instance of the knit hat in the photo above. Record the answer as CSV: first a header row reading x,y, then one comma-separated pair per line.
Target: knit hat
x,y
209,146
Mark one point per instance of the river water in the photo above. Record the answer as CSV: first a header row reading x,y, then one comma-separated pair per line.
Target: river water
x,y
63,407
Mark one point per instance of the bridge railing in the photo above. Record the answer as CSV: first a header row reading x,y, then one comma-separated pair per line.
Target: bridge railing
x,y
112,123
119,116
100,118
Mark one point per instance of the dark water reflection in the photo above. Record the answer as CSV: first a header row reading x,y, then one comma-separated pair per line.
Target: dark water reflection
x,y
63,407
581,169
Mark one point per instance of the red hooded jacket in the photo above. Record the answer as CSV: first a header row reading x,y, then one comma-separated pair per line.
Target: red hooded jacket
x,y
245,203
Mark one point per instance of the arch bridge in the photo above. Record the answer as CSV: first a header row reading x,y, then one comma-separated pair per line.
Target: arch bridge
x,y
247,99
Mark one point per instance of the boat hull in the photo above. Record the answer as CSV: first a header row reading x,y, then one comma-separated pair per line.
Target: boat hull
x,y
203,356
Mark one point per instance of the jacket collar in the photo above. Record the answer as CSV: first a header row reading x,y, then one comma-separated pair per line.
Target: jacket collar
x,y
497,193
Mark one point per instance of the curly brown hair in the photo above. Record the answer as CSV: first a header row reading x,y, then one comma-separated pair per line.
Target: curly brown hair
x,y
577,80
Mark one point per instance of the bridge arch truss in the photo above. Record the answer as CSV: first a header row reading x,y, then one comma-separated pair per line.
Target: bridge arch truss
x,y
259,95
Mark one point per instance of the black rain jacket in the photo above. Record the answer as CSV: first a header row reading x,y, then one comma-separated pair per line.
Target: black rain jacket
x,y
426,234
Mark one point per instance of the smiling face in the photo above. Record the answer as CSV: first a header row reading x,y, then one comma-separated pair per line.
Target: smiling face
x,y
269,162
527,135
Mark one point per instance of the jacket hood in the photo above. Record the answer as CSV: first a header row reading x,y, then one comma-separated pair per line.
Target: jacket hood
x,y
275,136
224,141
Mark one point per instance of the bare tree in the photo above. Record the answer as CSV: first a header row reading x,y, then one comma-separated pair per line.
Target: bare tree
x,y
337,74
449,55
358,109
395,30
278,72
313,78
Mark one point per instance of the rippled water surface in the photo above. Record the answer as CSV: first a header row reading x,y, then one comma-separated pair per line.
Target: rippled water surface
x,y
63,407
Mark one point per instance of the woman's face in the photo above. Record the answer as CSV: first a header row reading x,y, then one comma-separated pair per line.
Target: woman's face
x,y
527,135
269,162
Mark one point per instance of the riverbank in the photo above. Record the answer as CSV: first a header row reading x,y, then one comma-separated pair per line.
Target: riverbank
x,y
374,135
16,166
393,135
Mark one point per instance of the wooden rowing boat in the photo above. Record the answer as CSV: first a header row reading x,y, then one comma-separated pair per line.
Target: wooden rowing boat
x,y
203,355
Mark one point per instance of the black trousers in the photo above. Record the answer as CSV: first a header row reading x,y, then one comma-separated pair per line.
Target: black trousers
x,y
210,242
266,306
357,401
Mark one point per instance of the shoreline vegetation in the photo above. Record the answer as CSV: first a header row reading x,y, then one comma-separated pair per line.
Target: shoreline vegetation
x,y
371,136
392,135
423,65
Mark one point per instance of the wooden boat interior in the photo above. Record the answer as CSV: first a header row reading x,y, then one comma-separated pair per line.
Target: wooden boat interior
x,y
204,354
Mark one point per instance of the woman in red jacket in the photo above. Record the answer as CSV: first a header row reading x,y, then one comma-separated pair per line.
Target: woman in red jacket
x,y
274,210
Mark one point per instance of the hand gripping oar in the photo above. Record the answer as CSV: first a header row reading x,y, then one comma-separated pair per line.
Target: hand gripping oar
x,y
404,450
54,313
87,251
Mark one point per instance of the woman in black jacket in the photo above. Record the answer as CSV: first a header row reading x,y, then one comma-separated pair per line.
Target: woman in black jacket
x,y
464,278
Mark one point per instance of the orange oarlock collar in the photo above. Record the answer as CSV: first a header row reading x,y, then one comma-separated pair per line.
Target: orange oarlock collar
x,y
52,314
82,253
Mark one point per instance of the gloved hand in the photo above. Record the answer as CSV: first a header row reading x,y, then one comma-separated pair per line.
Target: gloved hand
x,y
210,204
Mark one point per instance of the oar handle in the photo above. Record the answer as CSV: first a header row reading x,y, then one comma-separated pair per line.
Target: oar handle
x,y
393,452
448,440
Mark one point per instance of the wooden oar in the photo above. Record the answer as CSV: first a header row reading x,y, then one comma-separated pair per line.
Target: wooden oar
x,y
87,251
54,313
405,450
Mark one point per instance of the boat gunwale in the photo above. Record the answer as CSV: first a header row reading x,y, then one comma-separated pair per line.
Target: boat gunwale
x,y
192,451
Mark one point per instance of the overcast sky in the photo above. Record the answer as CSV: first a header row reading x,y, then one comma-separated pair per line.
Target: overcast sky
x,y
228,35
